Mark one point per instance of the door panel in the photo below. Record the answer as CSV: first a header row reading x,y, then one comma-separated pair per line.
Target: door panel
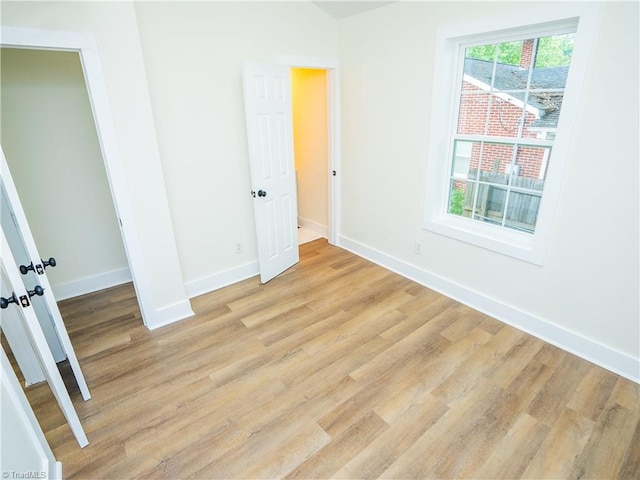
x,y
269,130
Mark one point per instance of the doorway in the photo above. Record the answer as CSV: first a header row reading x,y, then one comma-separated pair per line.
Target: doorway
x,y
331,98
311,151
85,46
52,148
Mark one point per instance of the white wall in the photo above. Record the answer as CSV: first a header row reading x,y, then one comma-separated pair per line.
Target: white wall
x,y
587,291
193,55
50,142
113,24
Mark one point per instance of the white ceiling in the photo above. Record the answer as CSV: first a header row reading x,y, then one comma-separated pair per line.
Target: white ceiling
x,y
347,8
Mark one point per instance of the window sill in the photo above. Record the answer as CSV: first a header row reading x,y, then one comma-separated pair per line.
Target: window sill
x,y
512,243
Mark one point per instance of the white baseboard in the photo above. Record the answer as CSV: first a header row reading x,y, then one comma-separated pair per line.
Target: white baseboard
x,y
169,314
91,284
221,279
313,226
182,310
572,342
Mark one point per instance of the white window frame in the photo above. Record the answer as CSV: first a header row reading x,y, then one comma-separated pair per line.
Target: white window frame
x,y
531,22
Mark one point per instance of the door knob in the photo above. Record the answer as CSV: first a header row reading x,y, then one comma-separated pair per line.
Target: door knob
x,y
4,302
37,290
49,263
24,269
262,193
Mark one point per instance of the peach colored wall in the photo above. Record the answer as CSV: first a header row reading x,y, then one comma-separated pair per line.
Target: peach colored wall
x,y
309,105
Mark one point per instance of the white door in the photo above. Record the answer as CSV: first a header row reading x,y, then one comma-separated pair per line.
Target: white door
x,y
12,231
267,99
25,252
16,296
23,446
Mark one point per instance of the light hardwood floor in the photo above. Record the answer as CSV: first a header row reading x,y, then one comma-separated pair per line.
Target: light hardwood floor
x,y
336,369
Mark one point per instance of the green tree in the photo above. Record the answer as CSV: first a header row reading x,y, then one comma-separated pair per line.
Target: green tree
x,y
553,51
456,201
508,53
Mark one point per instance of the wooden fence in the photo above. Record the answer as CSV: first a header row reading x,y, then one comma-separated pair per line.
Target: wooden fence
x,y
522,209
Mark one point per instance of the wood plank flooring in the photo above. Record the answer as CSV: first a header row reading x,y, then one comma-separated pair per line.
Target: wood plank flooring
x,y
336,369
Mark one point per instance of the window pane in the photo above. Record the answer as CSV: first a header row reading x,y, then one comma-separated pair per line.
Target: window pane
x,y
461,159
461,198
548,81
530,168
509,70
546,107
473,113
510,53
478,70
522,212
492,160
490,204
554,51
506,115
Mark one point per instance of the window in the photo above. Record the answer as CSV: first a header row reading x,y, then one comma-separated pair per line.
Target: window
x,y
499,139
509,102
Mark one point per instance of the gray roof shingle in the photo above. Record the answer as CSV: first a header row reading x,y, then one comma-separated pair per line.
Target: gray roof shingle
x,y
513,79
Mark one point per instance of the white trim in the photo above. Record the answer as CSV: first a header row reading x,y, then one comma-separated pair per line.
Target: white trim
x,y
297,61
333,131
528,20
618,362
313,226
91,284
171,314
222,279
85,45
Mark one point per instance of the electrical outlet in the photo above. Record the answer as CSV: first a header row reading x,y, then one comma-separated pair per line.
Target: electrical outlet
x,y
238,246
417,248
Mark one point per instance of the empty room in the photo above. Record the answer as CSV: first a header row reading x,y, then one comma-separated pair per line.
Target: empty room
x,y
296,239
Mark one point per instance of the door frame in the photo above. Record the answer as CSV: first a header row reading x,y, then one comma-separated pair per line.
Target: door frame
x,y
331,66
85,45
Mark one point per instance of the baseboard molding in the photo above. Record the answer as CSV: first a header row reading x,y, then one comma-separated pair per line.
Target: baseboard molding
x,y
181,310
313,226
169,314
91,284
221,279
572,342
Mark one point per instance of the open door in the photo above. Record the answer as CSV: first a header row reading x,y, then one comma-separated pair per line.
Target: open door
x,y
267,99
32,267
16,296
